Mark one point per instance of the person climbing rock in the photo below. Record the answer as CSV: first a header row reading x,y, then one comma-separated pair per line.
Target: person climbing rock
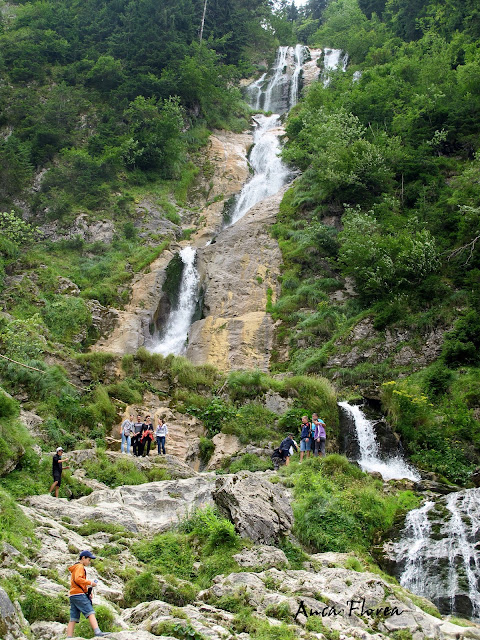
x,y
285,447
137,433
126,431
320,435
79,594
57,468
305,438
161,433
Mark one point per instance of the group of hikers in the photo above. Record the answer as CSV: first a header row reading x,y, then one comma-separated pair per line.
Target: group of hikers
x,y
139,435
312,440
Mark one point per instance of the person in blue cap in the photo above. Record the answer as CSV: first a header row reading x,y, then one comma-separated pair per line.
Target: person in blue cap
x,y
80,595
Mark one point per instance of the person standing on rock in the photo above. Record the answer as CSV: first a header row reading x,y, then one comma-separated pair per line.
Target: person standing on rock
x,y
305,438
126,431
137,433
57,468
161,433
285,446
80,595
320,435
147,436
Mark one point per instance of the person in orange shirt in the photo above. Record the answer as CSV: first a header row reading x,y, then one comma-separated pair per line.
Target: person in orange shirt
x,y
80,589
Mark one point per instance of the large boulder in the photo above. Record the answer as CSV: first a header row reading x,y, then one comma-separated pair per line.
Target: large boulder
x,y
146,508
259,509
226,445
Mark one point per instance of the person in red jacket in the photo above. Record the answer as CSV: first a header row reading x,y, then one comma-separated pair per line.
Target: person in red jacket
x,y
79,594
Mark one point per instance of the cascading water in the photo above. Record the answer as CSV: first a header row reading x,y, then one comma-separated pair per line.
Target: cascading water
x,y
370,460
255,92
176,329
413,548
270,174
295,88
437,554
332,60
281,94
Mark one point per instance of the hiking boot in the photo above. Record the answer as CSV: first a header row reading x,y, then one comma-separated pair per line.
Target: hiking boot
x,y
101,634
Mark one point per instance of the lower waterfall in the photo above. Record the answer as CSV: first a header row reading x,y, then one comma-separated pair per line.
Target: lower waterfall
x,y
437,553
174,336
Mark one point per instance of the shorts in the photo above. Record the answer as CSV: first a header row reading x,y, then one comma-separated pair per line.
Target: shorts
x,y
305,445
80,603
284,453
57,477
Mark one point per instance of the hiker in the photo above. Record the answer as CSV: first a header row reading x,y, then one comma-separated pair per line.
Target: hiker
x,y
320,435
305,438
57,468
147,436
285,446
126,431
137,432
161,433
80,595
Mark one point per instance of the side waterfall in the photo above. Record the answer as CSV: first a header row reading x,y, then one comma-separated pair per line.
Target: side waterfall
x,y
370,460
437,553
176,329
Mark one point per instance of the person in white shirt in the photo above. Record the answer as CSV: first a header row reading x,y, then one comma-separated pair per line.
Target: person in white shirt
x,y
161,433
126,432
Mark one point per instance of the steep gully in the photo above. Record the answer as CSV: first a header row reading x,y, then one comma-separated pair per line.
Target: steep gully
x,y
234,267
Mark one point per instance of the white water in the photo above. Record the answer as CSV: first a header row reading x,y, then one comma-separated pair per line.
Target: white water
x,y
279,78
180,318
370,460
332,60
255,92
270,174
295,88
445,565
461,538
281,94
414,546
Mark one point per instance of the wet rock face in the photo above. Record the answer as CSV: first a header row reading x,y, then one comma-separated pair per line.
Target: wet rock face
x,y
240,273
436,552
259,509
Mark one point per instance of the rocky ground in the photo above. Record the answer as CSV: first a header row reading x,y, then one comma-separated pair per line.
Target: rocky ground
x,y
333,601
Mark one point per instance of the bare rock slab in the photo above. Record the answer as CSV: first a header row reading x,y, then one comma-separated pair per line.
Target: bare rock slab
x,y
259,509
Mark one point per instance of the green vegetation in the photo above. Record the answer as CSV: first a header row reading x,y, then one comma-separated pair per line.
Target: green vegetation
x,y
337,507
379,235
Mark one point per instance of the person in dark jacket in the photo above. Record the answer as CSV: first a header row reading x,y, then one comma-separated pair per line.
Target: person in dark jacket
x,y
305,438
137,434
285,448
57,468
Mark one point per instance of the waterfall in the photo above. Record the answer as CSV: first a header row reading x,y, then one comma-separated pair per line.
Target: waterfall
x,y
255,92
332,60
176,329
463,529
282,92
270,173
299,57
278,81
436,553
370,460
413,548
